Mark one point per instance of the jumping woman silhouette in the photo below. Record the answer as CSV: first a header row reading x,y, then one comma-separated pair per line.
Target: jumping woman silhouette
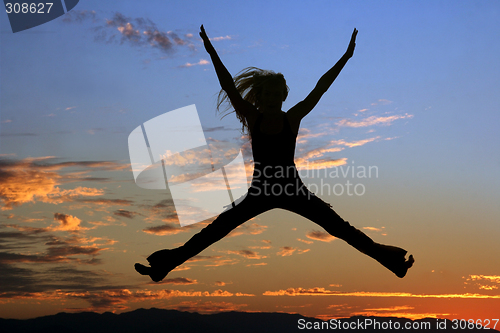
x,y
257,97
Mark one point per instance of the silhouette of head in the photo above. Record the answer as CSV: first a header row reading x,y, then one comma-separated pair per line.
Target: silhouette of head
x,y
260,87
270,89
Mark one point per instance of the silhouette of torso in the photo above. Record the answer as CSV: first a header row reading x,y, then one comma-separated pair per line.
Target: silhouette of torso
x,y
276,149
273,157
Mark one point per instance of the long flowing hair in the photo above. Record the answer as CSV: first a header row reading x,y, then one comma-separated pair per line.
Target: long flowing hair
x,y
249,83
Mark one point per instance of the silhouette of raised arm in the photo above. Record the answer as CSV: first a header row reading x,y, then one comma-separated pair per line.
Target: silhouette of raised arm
x,y
225,78
302,108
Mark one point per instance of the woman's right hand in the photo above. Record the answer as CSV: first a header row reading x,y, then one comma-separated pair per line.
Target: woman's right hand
x,y
206,41
203,34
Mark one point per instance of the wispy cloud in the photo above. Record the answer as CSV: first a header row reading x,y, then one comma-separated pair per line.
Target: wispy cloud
x,y
311,159
381,102
372,120
166,229
58,249
120,298
247,254
212,261
286,251
325,292
137,31
191,64
217,39
125,213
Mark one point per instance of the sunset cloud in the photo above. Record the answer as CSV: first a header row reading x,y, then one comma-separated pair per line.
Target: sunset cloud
x,y
21,244
165,229
248,229
325,292
247,254
177,281
207,307
315,158
320,236
125,213
67,222
484,282
286,251
212,261
372,229
31,180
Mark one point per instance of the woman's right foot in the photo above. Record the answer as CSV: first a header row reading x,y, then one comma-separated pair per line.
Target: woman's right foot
x,y
161,263
153,273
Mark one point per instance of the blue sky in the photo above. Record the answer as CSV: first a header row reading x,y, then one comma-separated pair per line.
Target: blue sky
x,y
419,100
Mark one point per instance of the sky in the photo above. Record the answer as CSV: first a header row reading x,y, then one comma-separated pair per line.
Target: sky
x,y
417,104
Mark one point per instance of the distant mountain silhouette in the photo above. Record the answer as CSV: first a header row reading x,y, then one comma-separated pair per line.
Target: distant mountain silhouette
x,y
172,321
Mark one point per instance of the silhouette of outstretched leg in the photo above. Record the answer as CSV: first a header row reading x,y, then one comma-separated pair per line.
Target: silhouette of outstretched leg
x,y
391,257
163,261
316,210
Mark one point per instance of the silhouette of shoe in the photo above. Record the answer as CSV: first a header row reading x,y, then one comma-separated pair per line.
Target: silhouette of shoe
x,y
393,258
155,274
161,263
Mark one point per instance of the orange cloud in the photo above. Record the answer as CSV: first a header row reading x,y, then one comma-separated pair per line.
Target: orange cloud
x,y
286,251
67,223
118,298
34,179
320,236
258,264
485,282
373,228
248,229
319,163
312,159
354,143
